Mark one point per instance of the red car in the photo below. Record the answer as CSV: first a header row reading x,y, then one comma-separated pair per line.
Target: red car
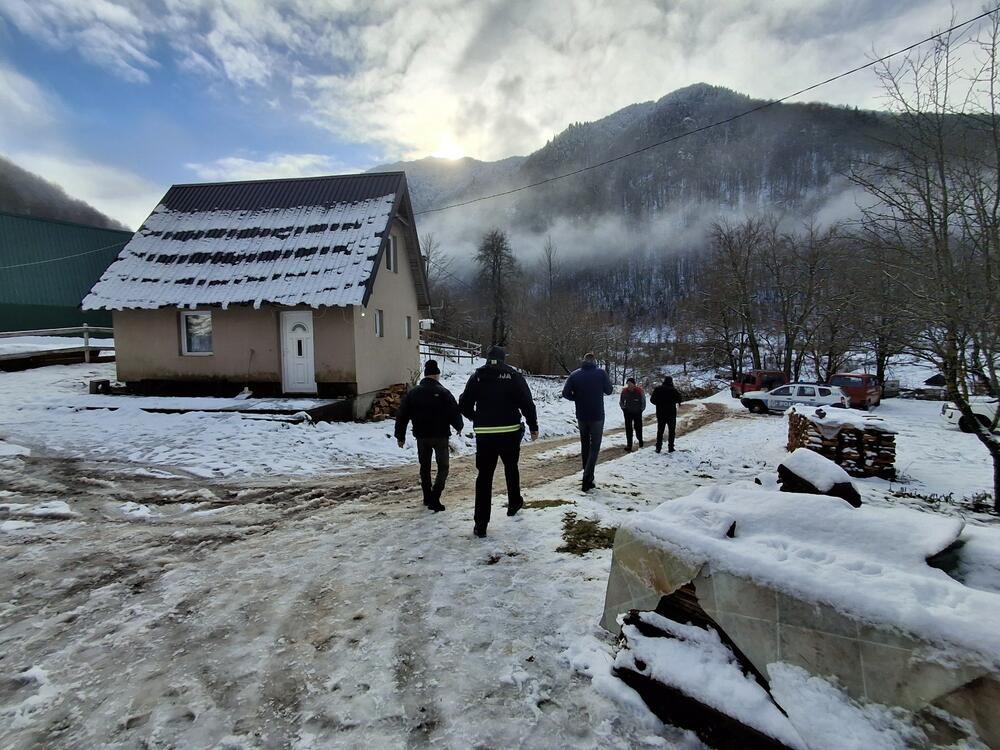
x,y
757,380
862,389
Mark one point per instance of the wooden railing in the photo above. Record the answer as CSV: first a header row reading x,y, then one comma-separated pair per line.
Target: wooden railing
x,y
86,331
443,345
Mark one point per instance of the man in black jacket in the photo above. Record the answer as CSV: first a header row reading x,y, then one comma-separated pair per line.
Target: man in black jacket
x,y
665,397
495,399
433,411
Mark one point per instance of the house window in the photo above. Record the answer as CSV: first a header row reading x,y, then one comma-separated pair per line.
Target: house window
x,y
196,333
379,323
409,327
392,255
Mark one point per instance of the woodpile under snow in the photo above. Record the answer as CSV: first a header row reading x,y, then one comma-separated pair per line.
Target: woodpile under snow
x,y
862,444
386,403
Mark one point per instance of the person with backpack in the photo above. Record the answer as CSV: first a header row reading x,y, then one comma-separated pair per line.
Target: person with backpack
x,y
586,387
665,398
433,411
633,403
495,399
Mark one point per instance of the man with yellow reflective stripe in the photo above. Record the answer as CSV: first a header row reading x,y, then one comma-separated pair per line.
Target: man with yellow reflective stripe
x,y
495,399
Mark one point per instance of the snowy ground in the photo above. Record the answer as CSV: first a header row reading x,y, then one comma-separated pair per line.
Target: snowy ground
x,y
45,410
140,608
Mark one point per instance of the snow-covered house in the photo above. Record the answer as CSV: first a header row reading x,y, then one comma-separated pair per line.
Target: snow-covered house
x,y
295,286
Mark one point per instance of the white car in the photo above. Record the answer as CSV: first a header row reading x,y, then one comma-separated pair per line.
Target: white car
x,y
780,398
985,410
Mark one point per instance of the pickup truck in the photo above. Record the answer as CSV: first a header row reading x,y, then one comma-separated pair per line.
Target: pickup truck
x,y
779,399
862,389
757,380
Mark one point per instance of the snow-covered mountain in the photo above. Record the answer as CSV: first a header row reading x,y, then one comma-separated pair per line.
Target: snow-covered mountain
x,y
788,157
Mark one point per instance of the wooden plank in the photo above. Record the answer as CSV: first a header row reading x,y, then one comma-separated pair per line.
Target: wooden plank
x,y
40,353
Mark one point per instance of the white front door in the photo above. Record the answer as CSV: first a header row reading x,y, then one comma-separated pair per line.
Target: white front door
x,y
298,365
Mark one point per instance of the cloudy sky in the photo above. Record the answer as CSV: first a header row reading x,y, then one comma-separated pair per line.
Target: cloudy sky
x,y
116,99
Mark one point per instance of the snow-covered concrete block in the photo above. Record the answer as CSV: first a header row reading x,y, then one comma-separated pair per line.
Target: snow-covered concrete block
x,y
842,593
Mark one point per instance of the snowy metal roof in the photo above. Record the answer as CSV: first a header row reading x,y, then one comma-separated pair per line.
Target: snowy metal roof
x,y
313,241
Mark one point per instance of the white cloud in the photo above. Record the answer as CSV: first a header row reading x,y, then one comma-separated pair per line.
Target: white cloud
x,y
233,168
26,108
488,78
109,33
121,194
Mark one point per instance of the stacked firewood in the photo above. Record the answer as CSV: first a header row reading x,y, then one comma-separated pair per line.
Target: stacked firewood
x,y
387,402
860,452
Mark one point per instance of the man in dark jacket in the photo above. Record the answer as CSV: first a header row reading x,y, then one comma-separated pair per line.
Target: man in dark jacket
x,y
433,411
495,399
665,397
587,387
633,404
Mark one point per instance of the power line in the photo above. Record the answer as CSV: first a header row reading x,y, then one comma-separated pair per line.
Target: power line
x,y
716,124
63,257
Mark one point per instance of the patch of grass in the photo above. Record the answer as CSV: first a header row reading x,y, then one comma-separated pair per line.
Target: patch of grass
x,y
582,535
980,502
548,503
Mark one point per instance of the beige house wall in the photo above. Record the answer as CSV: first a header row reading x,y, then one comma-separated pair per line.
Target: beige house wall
x,y
245,342
392,358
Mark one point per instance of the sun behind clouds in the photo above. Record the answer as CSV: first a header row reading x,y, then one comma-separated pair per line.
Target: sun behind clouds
x,y
448,148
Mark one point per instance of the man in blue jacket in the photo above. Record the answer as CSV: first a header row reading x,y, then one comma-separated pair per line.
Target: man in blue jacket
x,y
587,387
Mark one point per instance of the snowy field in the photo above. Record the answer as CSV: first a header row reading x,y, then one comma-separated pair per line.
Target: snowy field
x,y
45,410
142,607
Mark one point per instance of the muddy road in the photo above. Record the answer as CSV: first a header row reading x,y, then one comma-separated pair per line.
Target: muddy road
x,y
138,611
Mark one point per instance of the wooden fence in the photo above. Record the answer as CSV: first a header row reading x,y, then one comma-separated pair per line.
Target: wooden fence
x,y
88,350
442,345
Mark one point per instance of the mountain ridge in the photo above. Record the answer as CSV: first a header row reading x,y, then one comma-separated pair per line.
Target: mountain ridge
x,y
25,193
787,157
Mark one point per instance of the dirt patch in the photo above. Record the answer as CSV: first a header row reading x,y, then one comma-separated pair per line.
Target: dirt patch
x,y
582,535
548,503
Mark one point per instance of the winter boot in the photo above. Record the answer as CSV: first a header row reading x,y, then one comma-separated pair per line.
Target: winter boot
x,y
479,531
435,501
515,506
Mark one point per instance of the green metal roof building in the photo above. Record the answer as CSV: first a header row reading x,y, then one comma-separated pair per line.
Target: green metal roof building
x,y
46,269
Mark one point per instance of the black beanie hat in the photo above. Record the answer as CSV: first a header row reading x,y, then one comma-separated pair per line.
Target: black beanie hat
x,y
496,355
431,367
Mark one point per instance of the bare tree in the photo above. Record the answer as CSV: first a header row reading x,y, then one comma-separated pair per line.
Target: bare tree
x,y
736,252
937,208
498,270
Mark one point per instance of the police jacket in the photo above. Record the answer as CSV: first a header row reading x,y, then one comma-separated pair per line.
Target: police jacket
x,y
495,399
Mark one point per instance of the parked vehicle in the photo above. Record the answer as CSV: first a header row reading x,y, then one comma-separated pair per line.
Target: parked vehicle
x,y
757,380
985,410
779,399
863,389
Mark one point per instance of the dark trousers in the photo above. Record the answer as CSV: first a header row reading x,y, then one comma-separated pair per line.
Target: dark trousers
x,y
633,423
670,422
505,447
438,447
590,446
